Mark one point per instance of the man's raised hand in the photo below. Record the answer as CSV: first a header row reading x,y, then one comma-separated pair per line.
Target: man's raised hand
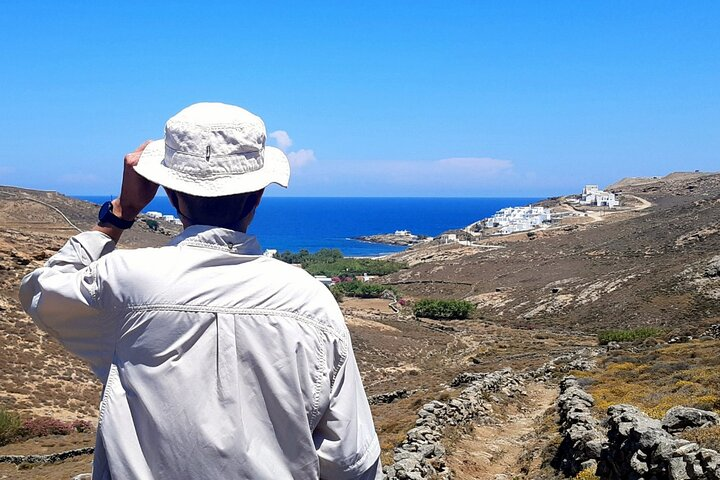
x,y
136,191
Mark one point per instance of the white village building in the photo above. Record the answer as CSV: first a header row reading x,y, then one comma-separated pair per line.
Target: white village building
x,y
518,219
592,195
172,219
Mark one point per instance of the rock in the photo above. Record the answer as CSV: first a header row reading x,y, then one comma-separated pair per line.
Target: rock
x,y
638,464
681,418
388,397
713,331
678,470
713,269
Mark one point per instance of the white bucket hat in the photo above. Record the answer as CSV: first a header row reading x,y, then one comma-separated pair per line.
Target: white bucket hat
x,y
212,150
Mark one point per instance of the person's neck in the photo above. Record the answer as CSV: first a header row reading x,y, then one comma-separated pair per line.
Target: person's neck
x,y
239,227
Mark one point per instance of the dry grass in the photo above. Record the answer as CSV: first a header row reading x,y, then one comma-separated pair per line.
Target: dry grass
x,y
659,378
587,474
708,437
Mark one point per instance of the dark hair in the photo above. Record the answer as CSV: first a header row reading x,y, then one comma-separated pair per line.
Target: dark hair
x,y
228,211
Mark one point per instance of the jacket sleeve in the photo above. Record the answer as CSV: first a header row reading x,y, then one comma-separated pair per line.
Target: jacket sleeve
x,y
63,298
345,438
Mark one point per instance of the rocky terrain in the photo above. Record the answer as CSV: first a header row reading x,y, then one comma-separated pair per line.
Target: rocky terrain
x,y
457,399
391,239
651,266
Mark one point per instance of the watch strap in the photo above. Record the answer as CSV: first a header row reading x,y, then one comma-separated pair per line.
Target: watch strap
x,y
106,215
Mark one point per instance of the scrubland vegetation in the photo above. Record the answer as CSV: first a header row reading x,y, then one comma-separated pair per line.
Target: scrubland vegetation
x,y
443,309
356,288
13,428
330,262
658,378
630,335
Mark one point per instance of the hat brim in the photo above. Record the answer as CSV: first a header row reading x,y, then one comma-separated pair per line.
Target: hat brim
x,y
276,169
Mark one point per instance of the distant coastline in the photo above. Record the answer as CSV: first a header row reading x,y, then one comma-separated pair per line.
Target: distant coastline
x,y
312,223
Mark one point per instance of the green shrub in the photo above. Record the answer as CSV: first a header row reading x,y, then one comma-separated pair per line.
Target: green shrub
x,y
339,296
443,309
330,262
630,335
152,224
9,426
360,289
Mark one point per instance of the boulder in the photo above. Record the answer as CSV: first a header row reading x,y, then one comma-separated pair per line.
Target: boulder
x,y
681,418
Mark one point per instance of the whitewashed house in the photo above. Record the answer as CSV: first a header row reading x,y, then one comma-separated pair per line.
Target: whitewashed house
x,y
518,219
592,195
449,238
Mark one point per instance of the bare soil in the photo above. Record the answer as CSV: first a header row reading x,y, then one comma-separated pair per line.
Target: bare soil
x,y
510,445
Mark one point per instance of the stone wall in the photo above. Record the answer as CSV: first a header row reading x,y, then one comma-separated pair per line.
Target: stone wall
x,y
422,454
583,437
50,458
389,397
636,446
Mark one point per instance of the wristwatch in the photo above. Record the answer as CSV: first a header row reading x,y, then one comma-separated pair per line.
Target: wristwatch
x,y
106,216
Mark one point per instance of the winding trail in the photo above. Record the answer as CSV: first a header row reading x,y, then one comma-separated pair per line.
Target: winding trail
x,y
509,448
29,199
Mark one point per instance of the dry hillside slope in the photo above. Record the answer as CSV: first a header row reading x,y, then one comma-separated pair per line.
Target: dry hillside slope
x,y
645,268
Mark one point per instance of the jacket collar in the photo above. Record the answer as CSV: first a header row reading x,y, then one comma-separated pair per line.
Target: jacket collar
x,y
217,238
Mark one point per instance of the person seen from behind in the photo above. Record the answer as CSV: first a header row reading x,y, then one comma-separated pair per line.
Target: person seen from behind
x,y
217,362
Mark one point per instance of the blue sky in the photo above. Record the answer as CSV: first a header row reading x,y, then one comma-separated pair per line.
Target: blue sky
x,y
388,98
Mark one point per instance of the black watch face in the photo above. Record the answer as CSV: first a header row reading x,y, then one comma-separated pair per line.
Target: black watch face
x,y
104,210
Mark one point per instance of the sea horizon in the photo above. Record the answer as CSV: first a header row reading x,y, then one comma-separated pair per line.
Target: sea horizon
x,y
312,223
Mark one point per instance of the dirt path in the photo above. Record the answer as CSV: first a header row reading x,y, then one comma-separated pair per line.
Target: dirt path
x,y
510,448
643,203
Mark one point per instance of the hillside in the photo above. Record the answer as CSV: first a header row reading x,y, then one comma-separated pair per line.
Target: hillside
x,y
647,267
540,301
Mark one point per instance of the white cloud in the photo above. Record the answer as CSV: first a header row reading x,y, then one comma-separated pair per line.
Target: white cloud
x,y
282,139
474,165
455,176
298,158
301,157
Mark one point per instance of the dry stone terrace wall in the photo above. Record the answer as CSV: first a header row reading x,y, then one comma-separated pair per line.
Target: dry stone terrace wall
x,y
50,458
636,446
422,454
583,437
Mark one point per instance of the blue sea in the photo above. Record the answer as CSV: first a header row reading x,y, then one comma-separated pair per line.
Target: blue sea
x,y
295,223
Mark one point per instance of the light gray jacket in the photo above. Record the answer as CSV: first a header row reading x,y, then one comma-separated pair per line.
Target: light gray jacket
x,y
217,362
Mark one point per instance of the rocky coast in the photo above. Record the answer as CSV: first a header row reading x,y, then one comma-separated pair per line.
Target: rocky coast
x,y
401,239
